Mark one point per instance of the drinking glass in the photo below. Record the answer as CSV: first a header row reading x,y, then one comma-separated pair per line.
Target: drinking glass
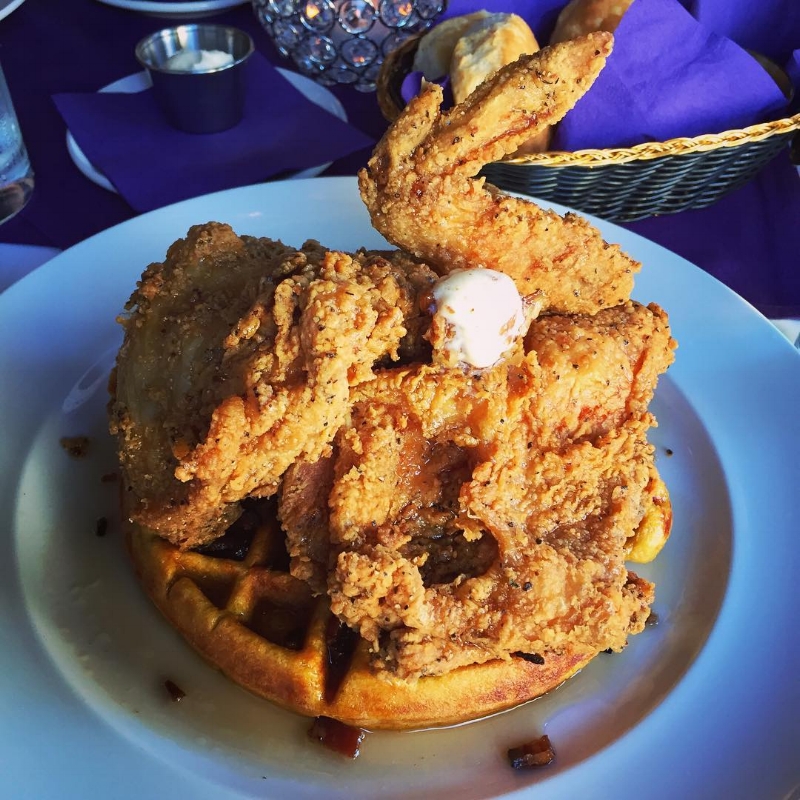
x,y
16,175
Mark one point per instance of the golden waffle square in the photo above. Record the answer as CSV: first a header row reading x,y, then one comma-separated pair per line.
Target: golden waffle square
x,y
236,603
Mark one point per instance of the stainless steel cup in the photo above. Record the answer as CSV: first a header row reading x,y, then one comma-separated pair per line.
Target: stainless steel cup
x,y
16,175
207,101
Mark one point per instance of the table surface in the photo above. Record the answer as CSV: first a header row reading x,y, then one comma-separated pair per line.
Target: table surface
x,y
82,46
51,46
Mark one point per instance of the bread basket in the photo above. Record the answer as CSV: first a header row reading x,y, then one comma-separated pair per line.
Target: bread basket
x,y
627,183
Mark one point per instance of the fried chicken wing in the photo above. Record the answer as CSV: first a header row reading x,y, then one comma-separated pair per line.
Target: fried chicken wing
x,y
501,500
238,359
423,196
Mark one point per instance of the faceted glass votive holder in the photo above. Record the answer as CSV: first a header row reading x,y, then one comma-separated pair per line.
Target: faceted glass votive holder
x,y
343,41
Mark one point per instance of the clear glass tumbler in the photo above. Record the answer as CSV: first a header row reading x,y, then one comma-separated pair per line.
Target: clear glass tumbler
x,y
16,175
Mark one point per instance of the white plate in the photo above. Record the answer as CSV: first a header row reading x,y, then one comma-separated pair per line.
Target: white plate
x,y
191,8
7,6
17,260
140,81
705,704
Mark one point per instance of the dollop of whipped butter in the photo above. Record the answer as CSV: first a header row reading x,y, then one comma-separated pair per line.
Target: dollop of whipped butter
x,y
477,315
198,60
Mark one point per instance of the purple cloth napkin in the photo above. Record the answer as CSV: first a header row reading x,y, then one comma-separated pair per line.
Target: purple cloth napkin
x,y
770,27
151,164
669,76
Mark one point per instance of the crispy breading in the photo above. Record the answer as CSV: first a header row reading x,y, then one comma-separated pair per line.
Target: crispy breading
x,y
512,536
423,196
303,513
238,359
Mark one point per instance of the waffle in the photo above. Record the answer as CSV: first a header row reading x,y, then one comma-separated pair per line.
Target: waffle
x,y
235,602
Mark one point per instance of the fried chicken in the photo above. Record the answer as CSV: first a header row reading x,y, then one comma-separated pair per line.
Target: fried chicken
x,y
454,510
238,359
501,501
423,196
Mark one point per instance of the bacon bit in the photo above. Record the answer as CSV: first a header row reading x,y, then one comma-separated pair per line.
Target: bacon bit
x,y
175,692
538,753
534,658
101,527
343,739
76,446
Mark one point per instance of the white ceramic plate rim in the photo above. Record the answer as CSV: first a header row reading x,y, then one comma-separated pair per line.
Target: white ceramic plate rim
x,y
140,81
9,6
729,728
166,9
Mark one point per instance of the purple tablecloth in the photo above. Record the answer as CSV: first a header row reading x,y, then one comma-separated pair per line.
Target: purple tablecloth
x,y
749,240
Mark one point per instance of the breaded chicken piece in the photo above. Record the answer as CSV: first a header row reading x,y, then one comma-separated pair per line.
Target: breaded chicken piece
x,y
303,513
238,359
597,371
422,194
512,537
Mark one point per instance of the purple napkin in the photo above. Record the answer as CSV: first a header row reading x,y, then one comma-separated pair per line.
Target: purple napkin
x,y
669,76
152,165
770,27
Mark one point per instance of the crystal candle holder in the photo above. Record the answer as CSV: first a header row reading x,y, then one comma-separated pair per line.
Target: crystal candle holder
x,y
343,41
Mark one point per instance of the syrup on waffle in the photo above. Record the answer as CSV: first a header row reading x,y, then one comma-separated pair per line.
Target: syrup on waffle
x,y
236,603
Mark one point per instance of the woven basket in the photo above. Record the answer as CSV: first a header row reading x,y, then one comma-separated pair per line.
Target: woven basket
x,y
627,183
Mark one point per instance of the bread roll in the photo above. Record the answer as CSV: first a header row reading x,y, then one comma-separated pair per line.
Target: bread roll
x,y
470,49
435,49
487,45
580,17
